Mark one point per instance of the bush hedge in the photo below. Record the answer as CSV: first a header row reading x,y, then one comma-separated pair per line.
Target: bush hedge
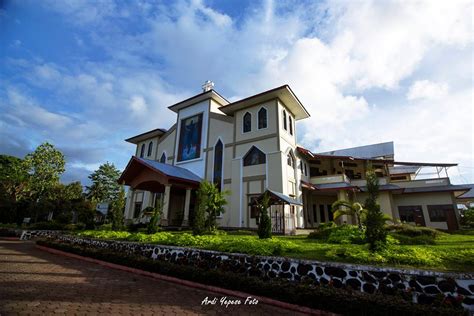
x,y
328,298
343,234
413,231
239,244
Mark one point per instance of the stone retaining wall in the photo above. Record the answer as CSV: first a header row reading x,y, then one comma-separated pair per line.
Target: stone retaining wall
x,y
424,285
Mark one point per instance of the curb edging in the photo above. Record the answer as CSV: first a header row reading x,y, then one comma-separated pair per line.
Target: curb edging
x,y
215,289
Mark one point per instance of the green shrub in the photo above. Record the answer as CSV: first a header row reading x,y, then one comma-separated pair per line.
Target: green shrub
x,y
105,227
133,228
346,234
417,240
11,225
105,234
343,234
391,254
328,298
155,219
73,227
467,217
211,204
414,231
323,231
241,232
264,223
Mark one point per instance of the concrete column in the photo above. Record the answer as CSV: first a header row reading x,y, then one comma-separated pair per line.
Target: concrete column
x,y
187,202
341,195
166,204
130,204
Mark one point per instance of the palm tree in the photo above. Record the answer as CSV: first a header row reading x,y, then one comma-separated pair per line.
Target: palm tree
x,y
341,207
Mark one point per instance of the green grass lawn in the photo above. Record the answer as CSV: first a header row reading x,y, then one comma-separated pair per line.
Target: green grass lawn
x,y
451,252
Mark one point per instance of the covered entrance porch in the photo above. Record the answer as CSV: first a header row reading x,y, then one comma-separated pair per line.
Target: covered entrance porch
x,y
173,186
282,212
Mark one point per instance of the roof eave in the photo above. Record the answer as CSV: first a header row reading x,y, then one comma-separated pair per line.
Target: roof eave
x,y
140,137
276,93
211,94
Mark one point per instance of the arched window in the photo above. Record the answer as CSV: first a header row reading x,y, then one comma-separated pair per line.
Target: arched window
x,y
262,118
218,154
254,157
142,151
247,122
150,149
290,159
291,124
163,158
284,120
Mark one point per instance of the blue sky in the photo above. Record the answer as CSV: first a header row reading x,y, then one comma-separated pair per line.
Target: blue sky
x,y
85,75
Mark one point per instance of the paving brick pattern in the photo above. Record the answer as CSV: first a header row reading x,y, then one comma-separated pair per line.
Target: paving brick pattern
x,y
39,283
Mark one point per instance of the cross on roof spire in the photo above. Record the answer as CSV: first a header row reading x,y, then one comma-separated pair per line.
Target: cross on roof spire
x,y
208,85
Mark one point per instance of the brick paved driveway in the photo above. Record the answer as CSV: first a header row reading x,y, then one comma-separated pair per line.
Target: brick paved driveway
x,y
36,282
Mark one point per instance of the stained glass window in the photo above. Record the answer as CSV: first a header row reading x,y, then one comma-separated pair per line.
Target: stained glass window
x,y
254,157
247,122
218,153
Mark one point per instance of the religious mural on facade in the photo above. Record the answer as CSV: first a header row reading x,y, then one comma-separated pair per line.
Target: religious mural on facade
x,y
190,138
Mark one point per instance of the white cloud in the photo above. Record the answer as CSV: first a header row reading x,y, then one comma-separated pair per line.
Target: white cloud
x,y
425,89
26,112
335,55
138,105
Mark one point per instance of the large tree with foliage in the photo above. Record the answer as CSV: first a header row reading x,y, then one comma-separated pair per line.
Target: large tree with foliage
x,y
14,177
376,234
105,187
45,166
14,187
64,199
211,205
117,209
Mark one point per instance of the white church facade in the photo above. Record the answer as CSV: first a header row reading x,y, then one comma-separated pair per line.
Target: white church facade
x,y
250,146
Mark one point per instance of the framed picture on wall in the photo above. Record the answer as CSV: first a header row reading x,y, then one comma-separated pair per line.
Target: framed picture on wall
x,y
190,138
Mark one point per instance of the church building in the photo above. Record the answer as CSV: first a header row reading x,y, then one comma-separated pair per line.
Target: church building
x,y
249,147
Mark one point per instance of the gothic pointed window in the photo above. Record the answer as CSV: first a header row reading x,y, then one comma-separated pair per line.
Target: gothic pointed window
x,y
290,159
262,118
247,122
254,157
290,122
284,120
163,158
150,149
142,151
218,155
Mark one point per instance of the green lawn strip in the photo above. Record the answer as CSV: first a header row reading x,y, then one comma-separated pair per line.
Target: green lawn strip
x,y
450,252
